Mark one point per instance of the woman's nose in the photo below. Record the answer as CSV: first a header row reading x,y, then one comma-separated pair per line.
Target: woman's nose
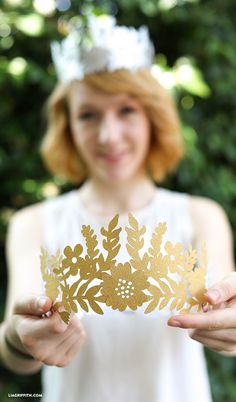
x,y
110,129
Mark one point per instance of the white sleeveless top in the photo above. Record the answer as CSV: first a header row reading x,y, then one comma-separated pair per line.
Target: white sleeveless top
x,y
127,356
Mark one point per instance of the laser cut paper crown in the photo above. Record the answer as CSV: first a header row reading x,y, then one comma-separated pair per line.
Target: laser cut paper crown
x,y
154,280
104,46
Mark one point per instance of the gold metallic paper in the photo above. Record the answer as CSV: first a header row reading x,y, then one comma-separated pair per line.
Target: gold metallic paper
x,y
154,279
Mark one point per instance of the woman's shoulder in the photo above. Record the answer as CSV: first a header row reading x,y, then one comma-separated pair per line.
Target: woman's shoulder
x,y
27,214
205,207
33,214
207,214
200,207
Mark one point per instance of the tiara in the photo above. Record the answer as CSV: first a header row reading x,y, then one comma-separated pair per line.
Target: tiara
x,y
103,46
87,278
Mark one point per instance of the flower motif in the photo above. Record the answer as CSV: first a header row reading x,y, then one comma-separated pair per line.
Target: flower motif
x,y
87,268
174,256
72,259
124,288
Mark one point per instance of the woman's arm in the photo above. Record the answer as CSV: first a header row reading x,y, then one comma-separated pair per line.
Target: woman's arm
x,y
215,329
22,249
26,339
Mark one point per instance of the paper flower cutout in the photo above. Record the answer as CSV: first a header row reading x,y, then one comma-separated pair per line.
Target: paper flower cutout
x,y
152,279
124,288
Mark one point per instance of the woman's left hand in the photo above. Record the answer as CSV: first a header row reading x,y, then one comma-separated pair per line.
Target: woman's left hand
x,y
215,329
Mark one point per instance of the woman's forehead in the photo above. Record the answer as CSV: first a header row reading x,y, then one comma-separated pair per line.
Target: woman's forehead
x,y
81,93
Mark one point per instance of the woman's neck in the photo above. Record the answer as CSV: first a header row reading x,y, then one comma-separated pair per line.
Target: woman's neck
x,y
105,200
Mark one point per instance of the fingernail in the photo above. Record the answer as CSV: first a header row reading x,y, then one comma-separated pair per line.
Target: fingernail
x,y
41,302
214,294
175,323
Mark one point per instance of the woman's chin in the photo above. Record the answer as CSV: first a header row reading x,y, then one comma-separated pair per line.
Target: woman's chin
x,y
119,176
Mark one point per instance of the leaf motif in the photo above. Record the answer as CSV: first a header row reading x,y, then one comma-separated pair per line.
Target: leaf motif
x,y
164,303
52,284
156,239
145,260
151,306
138,265
82,304
104,232
113,223
83,288
56,271
56,260
65,316
73,306
92,291
190,258
73,289
115,233
132,252
101,299
133,222
103,265
180,304
135,241
43,261
111,241
95,307
113,253
57,305
66,305
165,288
91,241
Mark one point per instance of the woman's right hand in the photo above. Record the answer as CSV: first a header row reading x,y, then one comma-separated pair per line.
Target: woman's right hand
x,y
48,340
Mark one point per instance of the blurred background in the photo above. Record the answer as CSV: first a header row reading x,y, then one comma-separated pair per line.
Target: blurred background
x,y
195,43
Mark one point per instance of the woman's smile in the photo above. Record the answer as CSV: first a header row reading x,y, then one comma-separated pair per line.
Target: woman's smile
x,y
113,157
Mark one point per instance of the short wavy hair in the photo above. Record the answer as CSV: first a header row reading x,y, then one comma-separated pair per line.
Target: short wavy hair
x,y
166,147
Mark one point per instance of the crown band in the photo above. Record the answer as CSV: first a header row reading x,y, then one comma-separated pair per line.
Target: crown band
x,y
108,48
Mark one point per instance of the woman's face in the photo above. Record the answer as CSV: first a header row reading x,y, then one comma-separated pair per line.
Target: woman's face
x,y
110,132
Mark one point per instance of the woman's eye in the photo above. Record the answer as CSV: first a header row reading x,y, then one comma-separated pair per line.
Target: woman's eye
x,y
127,110
87,115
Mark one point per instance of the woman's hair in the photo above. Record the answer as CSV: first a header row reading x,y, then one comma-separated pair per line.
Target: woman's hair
x,y
166,149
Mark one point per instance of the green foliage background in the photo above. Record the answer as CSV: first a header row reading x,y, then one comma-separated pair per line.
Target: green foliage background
x,y
197,33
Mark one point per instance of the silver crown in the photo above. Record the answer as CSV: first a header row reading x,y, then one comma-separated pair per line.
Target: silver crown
x,y
109,47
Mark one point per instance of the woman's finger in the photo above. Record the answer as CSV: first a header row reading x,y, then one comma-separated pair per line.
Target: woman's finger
x,y
223,290
52,325
217,345
214,319
75,347
224,335
32,305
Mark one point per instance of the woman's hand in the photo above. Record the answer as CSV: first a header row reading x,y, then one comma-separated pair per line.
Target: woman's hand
x,y
49,340
215,329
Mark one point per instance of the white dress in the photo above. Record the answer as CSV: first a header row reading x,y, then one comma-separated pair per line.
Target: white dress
x,y
128,356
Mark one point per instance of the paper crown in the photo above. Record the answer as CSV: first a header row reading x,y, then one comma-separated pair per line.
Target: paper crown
x,y
104,46
151,279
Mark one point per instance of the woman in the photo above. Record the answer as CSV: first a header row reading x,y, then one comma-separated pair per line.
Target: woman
x,y
112,125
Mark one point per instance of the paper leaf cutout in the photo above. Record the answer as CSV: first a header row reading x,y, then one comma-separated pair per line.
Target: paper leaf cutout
x,y
151,277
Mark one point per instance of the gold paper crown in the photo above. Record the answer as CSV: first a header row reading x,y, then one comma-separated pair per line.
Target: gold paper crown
x,y
155,279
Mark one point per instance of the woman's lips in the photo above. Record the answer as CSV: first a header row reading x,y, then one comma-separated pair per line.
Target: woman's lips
x,y
112,158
